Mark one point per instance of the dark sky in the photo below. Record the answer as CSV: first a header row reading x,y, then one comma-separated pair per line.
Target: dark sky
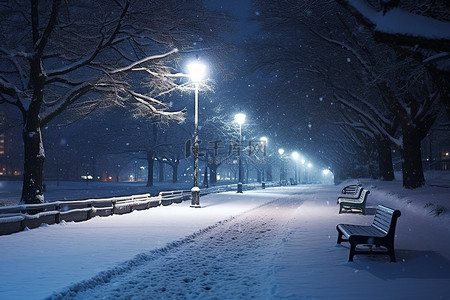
x,y
239,9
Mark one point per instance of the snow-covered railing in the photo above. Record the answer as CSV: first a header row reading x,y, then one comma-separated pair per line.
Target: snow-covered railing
x,y
19,217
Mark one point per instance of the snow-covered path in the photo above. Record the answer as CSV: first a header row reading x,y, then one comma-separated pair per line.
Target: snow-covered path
x,y
278,243
233,258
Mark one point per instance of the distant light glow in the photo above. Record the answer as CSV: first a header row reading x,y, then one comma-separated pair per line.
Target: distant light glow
x,y
240,118
310,165
197,71
325,171
281,151
264,139
295,155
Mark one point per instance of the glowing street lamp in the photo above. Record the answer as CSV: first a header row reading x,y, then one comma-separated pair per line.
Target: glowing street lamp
x,y
295,157
197,71
240,119
281,152
309,165
264,140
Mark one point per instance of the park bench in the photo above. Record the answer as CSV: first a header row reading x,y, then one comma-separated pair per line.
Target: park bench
x,y
351,189
351,192
380,233
348,204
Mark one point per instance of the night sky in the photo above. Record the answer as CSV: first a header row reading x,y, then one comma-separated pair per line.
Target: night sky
x,y
298,70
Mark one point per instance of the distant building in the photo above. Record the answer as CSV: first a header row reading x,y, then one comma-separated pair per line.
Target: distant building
x,y
436,147
10,160
2,145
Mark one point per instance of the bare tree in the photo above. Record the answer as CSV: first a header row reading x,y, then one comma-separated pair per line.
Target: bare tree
x,y
383,86
75,57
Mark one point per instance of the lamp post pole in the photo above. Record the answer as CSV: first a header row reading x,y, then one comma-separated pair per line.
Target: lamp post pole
x,y
263,184
295,169
295,157
195,202
239,190
240,119
304,171
281,152
197,71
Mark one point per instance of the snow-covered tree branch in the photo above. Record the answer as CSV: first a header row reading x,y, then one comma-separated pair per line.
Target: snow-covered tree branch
x,y
397,25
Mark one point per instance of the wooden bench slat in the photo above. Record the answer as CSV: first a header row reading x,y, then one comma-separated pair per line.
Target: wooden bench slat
x,y
384,217
349,230
351,192
382,223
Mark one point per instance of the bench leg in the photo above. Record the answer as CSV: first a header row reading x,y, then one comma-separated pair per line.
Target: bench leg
x,y
352,252
391,252
339,239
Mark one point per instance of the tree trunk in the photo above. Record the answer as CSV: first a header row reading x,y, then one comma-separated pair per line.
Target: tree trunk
x,y
34,156
385,166
175,173
160,170
213,174
205,178
150,162
269,173
412,159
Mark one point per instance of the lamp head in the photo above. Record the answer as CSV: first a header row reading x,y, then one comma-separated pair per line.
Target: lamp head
x,y
197,71
240,118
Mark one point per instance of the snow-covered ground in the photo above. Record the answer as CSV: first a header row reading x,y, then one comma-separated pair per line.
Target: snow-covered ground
x,y
278,243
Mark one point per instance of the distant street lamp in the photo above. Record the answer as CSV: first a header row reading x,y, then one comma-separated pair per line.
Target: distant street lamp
x,y
240,119
309,172
281,152
295,157
303,161
263,140
196,72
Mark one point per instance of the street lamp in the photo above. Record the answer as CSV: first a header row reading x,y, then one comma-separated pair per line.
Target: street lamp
x,y
240,119
303,161
196,71
309,172
281,152
263,140
295,157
